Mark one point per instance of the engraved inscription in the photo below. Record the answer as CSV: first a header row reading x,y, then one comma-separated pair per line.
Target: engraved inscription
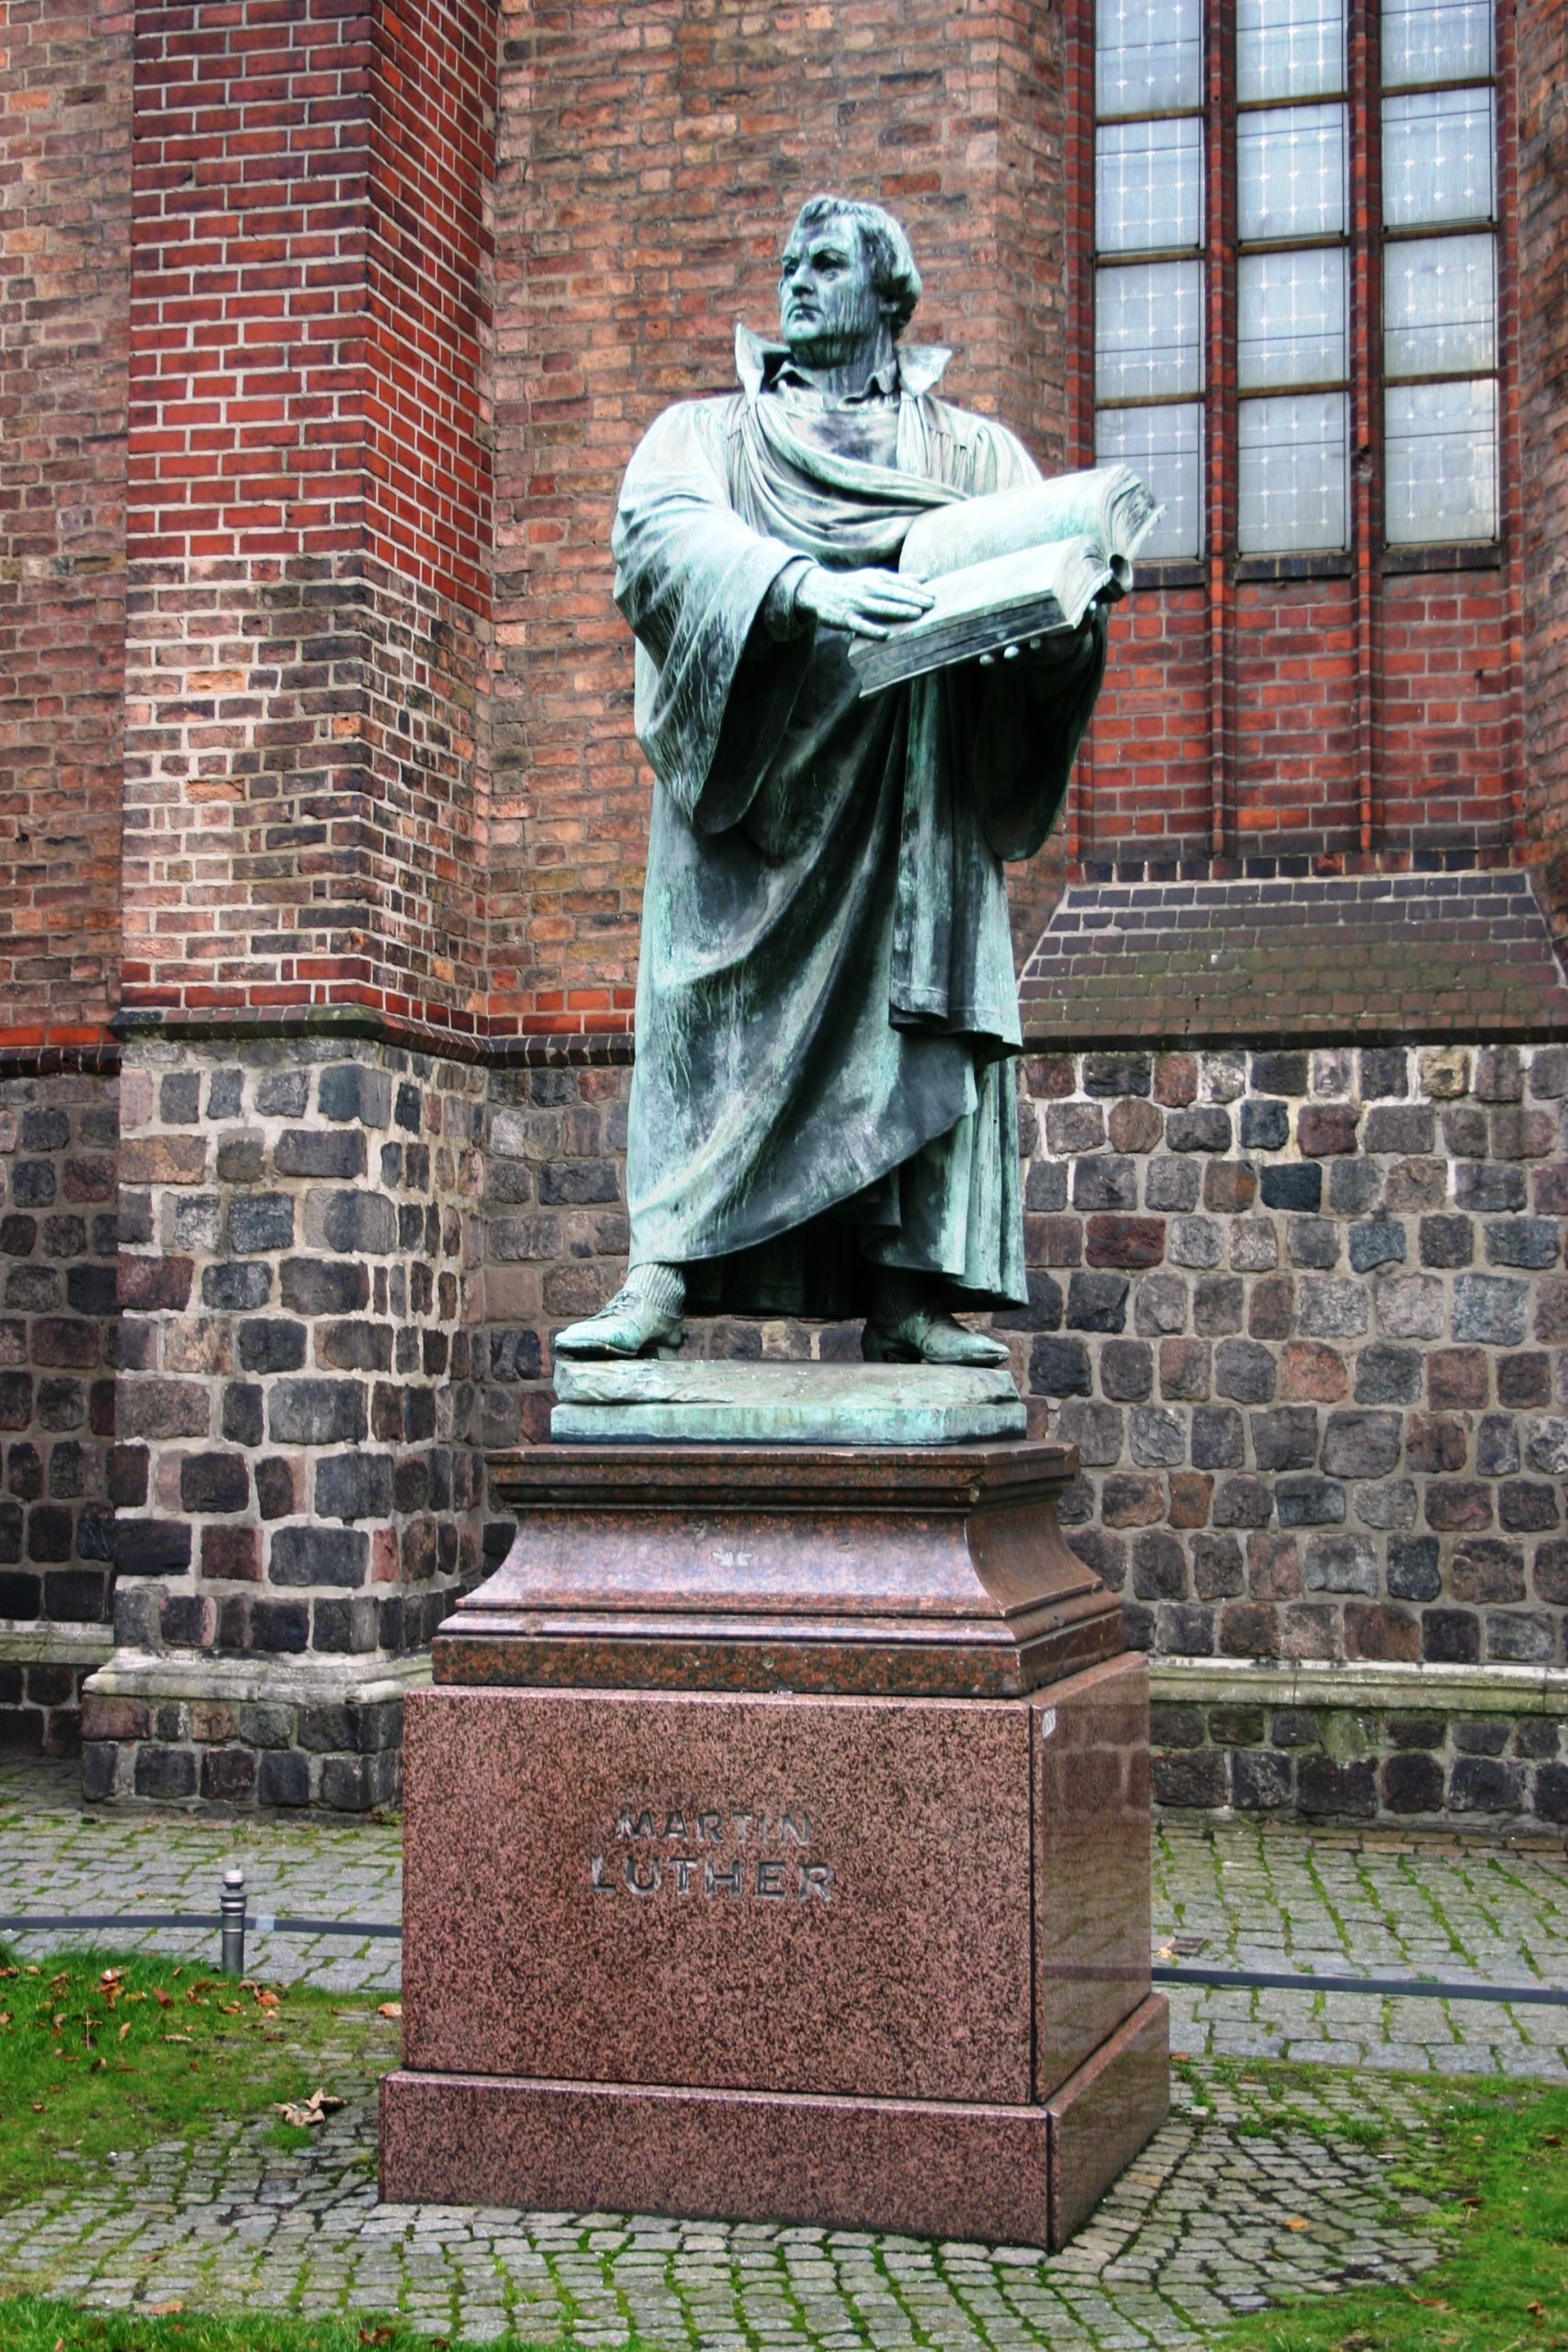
x,y
670,1850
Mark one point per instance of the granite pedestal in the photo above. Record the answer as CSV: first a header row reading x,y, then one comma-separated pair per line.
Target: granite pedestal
x,y
778,1849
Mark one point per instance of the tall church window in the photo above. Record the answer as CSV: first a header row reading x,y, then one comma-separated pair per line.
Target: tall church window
x,y
1226,264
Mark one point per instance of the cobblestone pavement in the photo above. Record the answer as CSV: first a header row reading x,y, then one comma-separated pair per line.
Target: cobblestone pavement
x,y
1209,2222
1258,1894
1231,2206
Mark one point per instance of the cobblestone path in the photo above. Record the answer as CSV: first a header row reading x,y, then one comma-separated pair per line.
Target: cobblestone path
x,y
1229,2206
1256,1894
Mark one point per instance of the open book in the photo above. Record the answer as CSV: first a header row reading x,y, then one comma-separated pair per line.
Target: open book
x,y
1022,563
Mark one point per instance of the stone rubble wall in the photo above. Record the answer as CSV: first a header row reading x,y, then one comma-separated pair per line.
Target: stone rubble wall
x,y
58,1137
1305,1316
295,1478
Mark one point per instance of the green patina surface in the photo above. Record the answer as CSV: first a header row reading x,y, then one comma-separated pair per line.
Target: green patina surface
x,y
649,1401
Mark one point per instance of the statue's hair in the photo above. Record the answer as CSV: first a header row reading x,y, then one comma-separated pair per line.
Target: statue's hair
x,y
897,280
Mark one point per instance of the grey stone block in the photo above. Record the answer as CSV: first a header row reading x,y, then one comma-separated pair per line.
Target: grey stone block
x,y
317,1412
1309,1501
1330,1308
1378,1244
1244,1370
1285,1438
1343,1563
1171,1186
1157,1436
1361,1445
1491,1309
316,1556
261,1221
1218,1439
353,1486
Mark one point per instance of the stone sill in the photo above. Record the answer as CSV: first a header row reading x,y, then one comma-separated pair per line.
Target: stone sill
x,y
1443,1690
38,1641
262,1681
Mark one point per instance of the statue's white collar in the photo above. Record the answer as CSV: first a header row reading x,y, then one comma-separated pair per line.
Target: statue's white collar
x,y
920,365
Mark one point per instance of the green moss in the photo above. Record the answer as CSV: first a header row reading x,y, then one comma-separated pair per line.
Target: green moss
x,y
1499,2169
102,2057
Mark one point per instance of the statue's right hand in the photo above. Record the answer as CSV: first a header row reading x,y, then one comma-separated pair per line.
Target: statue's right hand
x,y
867,603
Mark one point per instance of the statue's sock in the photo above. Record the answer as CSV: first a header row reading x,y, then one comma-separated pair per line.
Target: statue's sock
x,y
663,1286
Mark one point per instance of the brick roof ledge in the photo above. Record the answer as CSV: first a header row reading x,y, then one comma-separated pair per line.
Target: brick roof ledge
x,y
1294,957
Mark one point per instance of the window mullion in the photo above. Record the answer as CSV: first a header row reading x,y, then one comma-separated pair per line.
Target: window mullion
x,y
1366,403
1220,419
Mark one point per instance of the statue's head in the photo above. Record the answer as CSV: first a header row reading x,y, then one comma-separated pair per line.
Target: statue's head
x,y
846,277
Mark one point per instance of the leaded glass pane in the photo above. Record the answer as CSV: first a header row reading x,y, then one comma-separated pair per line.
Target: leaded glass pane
x,y
1436,41
1440,462
1148,56
1290,169
1290,49
1148,186
1164,446
1148,330
1293,480
1437,157
1440,306
1292,313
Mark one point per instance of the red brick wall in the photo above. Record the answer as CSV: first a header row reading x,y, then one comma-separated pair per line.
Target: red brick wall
x,y
428,477
64,229
1447,710
1145,789
308,507
1294,716
1543,369
652,154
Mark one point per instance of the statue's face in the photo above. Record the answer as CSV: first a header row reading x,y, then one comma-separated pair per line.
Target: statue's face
x,y
828,306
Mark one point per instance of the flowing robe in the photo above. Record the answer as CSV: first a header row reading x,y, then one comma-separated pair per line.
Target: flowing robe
x,y
827,1011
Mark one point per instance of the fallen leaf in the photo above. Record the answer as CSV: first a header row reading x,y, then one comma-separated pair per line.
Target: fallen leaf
x,y
7,1972
1294,2222
179,2037
125,2029
38,2106
304,2114
375,2335
58,1984
30,1971
1536,2311
390,2009
165,2000
162,2311
231,2008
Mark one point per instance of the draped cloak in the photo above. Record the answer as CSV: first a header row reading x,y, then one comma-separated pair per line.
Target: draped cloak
x,y
826,1012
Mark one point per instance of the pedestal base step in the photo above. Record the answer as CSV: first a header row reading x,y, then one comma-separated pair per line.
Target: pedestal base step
x,y
655,1401
1018,2176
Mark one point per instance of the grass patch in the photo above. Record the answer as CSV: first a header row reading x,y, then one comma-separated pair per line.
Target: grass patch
x,y
31,2323
1499,2166
101,2056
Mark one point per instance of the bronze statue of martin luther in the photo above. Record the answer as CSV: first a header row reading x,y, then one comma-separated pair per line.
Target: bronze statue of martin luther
x,y
823,1114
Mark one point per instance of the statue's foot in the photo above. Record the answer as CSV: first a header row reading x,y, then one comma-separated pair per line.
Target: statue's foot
x,y
630,1324
924,1335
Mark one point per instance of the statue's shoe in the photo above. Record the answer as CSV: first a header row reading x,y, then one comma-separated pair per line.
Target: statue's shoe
x,y
921,1336
628,1325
